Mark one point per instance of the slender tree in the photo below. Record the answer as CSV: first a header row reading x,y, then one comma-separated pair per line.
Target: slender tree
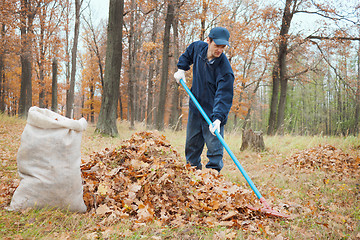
x,y
150,80
2,69
27,15
357,94
71,93
175,115
131,70
165,66
54,85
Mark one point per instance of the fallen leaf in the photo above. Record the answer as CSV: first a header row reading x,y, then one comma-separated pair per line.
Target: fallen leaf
x,y
102,210
103,189
229,215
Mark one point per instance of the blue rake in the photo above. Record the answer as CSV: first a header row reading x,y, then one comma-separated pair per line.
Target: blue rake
x,y
266,209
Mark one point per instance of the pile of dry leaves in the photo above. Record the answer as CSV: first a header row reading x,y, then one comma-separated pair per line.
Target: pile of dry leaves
x,y
326,158
144,180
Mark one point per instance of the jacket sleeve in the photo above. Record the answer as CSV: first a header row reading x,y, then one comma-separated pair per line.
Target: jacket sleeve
x,y
223,97
186,59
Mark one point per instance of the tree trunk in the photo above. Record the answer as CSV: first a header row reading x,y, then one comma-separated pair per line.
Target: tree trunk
x,y
338,109
41,86
92,101
54,86
27,17
175,115
274,100
108,111
25,89
67,48
120,106
330,96
280,73
150,82
357,96
2,73
70,97
281,107
175,107
40,61
165,67
136,75
131,87
150,96
2,84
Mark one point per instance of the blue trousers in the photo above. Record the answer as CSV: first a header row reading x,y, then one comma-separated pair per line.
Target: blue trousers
x,y
197,134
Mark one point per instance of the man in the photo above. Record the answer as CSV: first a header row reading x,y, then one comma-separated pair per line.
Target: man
x,y
212,85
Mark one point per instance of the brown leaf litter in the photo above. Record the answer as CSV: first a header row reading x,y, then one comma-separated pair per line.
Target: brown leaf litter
x,y
144,180
326,158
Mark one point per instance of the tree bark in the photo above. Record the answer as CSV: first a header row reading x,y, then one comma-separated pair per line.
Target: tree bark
x,y
131,87
41,86
67,46
26,29
281,107
2,79
150,83
92,93
274,100
71,95
357,95
54,86
120,106
175,115
136,74
108,111
41,59
2,71
280,73
165,66
2,84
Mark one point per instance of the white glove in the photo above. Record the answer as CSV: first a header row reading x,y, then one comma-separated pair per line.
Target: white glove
x,y
215,126
180,74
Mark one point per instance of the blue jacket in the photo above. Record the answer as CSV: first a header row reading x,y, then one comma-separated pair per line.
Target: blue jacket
x,y
212,81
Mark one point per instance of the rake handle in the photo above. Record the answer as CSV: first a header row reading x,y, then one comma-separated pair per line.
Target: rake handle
x,y
237,163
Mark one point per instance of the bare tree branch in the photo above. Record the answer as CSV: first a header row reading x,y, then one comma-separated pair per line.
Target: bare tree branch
x,y
333,38
334,68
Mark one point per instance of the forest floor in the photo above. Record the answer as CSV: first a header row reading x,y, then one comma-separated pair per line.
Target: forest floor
x,y
314,179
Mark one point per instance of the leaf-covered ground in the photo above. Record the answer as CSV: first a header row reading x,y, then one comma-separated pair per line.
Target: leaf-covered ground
x,y
10,135
139,187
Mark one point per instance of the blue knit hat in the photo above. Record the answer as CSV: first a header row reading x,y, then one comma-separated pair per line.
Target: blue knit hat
x,y
220,36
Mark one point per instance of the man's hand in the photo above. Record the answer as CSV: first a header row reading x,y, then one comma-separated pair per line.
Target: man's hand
x,y
180,74
215,126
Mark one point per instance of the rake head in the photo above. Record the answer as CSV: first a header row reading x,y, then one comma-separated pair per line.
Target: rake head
x,y
266,209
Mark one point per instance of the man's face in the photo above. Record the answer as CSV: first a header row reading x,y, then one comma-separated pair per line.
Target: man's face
x,y
214,51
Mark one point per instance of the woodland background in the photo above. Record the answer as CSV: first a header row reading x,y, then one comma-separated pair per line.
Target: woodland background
x,y
300,77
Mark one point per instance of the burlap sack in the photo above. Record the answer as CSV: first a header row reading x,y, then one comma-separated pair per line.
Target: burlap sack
x,y
48,162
